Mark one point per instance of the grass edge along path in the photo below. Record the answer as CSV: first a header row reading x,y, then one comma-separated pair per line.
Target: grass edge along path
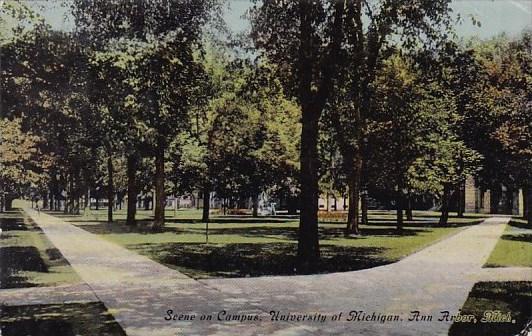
x,y
28,258
514,248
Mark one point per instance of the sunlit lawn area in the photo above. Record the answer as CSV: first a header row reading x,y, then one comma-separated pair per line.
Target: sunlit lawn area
x,y
514,248
27,258
240,246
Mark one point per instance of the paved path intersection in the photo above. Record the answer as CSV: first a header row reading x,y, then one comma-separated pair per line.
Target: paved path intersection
x,y
139,291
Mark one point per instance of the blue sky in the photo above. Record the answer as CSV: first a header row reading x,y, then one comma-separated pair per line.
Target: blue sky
x,y
496,16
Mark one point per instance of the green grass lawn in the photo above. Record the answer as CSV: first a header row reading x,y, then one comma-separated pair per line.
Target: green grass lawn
x,y
27,257
514,248
241,246
507,297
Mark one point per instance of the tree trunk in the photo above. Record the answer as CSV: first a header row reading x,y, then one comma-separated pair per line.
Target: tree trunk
x,y
110,187
509,201
87,201
70,207
312,104
77,191
495,197
146,202
206,204
131,189
45,203
8,203
354,196
52,201
77,206
409,212
292,205
526,197
364,204
308,244
399,206
344,202
68,189
224,206
461,199
256,205
160,197
529,205
445,205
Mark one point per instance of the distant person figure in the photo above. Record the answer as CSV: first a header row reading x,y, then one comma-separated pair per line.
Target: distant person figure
x,y
274,213
37,207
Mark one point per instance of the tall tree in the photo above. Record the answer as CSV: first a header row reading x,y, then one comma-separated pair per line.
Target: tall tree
x,y
304,39
22,166
161,37
375,29
508,112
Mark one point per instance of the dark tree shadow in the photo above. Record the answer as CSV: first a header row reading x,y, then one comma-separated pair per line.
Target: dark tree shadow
x,y
13,224
520,225
249,260
73,319
15,259
234,220
413,224
513,297
526,238
331,233
117,227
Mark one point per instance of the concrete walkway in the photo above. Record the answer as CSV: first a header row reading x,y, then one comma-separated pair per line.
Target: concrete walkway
x,y
139,291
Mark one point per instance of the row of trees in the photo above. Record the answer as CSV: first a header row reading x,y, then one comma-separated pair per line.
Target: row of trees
x,y
393,88
159,101
342,97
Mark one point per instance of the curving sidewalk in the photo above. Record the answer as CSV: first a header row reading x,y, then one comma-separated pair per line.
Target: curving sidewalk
x,y
139,291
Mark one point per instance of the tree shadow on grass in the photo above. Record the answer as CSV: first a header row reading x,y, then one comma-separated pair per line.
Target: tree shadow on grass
x,y
234,220
80,319
289,233
414,224
250,260
513,297
526,238
15,259
330,233
273,231
520,225
61,214
117,227
13,224
144,227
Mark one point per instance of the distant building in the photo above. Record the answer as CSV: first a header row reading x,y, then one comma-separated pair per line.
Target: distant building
x,y
332,203
509,202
